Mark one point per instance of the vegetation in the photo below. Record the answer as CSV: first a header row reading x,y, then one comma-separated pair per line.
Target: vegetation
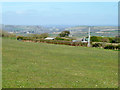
x,y
42,65
65,39
33,36
64,33
112,47
105,39
6,34
107,46
97,45
39,36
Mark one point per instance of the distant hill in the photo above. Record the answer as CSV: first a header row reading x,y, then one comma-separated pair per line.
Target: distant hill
x,y
76,31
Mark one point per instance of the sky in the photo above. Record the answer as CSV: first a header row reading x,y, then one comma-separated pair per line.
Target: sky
x,y
60,13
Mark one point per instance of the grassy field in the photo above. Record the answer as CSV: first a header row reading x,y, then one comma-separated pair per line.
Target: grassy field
x,y
42,65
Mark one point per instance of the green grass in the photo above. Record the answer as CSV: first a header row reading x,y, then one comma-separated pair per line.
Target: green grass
x,y
42,65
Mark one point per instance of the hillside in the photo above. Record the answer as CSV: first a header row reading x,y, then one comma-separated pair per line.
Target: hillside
x,y
41,65
76,31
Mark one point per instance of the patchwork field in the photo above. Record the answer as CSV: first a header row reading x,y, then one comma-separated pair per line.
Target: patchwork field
x,y
42,65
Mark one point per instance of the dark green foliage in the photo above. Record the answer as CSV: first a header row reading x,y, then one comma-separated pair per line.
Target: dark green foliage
x,y
83,44
20,37
59,38
118,47
117,39
64,33
65,39
96,39
110,47
111,40
105,39
97,45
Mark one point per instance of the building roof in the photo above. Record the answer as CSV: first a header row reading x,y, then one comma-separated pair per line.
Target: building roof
x,y
49,38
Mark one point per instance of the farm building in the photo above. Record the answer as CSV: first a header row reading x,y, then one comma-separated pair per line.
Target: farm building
x,y
49,38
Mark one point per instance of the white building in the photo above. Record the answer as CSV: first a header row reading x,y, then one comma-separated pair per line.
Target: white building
x,y
49,38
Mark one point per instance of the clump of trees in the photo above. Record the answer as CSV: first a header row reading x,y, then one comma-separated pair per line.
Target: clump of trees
x,y
64,33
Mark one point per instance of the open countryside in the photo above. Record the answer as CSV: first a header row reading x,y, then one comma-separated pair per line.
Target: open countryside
x,y
60,45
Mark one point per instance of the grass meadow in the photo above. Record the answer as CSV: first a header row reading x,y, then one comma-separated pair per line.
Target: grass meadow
x,y
42,65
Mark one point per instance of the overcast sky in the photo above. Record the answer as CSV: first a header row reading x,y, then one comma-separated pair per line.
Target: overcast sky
x,y
68,13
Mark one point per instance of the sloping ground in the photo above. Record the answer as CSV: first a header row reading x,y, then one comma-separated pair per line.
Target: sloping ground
x,y
41,65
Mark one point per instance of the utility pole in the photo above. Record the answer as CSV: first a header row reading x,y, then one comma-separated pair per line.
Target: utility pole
x,y
89,37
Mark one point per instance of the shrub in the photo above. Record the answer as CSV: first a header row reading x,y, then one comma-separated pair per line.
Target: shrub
x,y
97,45
83,44
60,38
20,37
110,47
95,39
118,47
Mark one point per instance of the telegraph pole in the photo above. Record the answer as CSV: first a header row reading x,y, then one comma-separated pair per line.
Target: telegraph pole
x,y
89,37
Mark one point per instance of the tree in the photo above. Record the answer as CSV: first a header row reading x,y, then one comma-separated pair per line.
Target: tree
x,y
64,33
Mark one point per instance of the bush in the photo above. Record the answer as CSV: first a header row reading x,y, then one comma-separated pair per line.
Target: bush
x,y
96,39
118,47
105,39
97,45
20,37
116,40
60,38
110,47
83,44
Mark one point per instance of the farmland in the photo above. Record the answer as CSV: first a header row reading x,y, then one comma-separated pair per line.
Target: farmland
x,y
42,65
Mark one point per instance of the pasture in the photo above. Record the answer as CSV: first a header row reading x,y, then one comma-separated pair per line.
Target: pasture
x,y
42,65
